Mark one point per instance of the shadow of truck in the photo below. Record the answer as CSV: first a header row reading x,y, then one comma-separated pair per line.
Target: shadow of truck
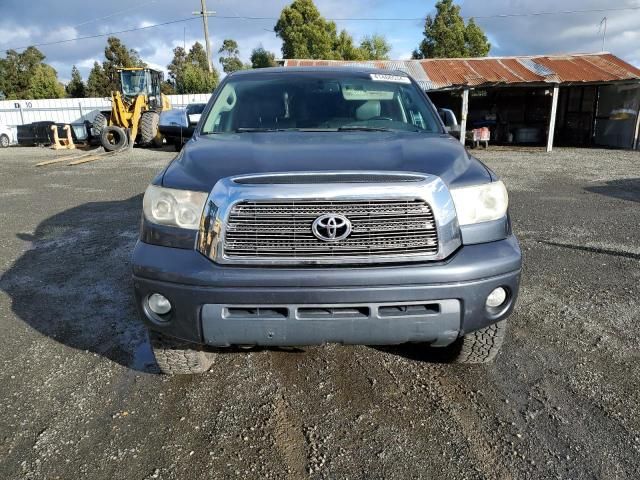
x,y
73,283
624,188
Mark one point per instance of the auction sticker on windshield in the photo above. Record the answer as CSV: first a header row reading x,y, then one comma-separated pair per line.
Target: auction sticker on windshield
x,y
378,77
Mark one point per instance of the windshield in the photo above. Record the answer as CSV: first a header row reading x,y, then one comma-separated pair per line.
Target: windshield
x,y
133,82
319,102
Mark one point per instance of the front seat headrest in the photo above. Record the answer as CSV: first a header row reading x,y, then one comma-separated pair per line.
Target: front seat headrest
x,y
368,110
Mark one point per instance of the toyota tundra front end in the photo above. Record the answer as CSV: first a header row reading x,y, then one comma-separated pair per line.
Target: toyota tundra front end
x,y
323,205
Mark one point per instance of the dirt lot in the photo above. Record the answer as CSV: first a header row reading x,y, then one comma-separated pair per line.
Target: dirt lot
x,y
80,399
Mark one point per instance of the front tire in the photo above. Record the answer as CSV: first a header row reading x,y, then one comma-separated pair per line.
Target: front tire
x,y
149,130
178,357
480,346
4,141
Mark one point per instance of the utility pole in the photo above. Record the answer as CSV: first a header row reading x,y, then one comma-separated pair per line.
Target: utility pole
x,y
204,13
604,31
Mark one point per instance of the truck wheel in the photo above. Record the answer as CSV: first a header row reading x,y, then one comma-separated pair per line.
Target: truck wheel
x,y
4,141
149,134
101,121
113,138
480,346
178,357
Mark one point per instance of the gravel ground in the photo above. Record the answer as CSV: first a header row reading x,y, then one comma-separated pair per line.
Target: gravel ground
x,y
80,398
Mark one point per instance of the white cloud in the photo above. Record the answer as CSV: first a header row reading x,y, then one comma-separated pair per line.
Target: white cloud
x,y
14,36
559,33
509,36
62,33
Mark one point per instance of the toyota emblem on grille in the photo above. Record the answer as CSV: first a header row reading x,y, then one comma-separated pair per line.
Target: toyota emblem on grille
x,y
331,227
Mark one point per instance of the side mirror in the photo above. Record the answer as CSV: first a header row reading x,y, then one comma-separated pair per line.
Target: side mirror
x,y
453,131
450,121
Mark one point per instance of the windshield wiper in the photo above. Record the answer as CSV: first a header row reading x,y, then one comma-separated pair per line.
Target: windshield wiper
x,y
259,129
363,128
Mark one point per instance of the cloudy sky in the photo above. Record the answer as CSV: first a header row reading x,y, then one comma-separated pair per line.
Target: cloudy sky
x,y
47,21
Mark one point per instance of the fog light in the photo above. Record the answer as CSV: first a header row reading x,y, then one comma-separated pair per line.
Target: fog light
x,y
159,304
496,297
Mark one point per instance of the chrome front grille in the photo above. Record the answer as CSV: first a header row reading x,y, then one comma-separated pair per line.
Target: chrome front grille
x,y
270,229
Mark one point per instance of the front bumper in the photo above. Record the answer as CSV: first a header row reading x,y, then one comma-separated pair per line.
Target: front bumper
x,y
220,305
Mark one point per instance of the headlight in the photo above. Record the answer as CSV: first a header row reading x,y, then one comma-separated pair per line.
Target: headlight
x,y
176,208
480,203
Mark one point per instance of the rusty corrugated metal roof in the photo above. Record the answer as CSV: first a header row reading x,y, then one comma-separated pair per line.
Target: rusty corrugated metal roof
x,y
442,73
412,68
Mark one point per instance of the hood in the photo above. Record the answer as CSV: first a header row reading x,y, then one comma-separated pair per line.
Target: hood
x,y
206,159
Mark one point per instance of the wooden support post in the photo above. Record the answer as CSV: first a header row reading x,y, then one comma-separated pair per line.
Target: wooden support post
x,y
56,145
463,117
552,119
70,144
635,145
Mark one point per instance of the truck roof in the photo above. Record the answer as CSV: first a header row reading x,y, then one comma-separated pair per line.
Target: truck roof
x,y
328,69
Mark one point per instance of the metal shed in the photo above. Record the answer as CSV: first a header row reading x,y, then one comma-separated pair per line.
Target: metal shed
x,y
593,98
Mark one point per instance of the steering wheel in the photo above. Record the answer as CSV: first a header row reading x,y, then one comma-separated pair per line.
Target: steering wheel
x,y
381,118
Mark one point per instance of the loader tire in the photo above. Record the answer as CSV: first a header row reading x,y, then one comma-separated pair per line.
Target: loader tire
x,y
113,138
101,121
149,134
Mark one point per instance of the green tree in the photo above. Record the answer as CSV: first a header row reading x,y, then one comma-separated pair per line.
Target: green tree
x,y
305,33
189,72
447,36
198,56
117,55
344,49
198,80
375,47
26,76
98,84
13,82
230,56
44,83
167,88
176,66
76,88
476,40
261,58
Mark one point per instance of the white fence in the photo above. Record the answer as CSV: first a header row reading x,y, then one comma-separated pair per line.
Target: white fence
x,y
73,111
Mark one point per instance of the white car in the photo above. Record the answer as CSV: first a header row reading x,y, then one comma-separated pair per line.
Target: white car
x,y
6,136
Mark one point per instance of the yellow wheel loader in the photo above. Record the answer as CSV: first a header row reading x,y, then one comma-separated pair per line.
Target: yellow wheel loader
x,y
135,110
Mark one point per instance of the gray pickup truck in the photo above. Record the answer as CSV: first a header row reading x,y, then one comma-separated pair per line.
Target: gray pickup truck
x,y
318,205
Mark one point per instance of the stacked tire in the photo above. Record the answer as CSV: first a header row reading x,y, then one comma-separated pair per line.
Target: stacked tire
x,y
112,138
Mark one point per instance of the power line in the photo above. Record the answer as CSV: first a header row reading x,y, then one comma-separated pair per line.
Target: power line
x,y
413,19
363,19
98,35
92,20
561,12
